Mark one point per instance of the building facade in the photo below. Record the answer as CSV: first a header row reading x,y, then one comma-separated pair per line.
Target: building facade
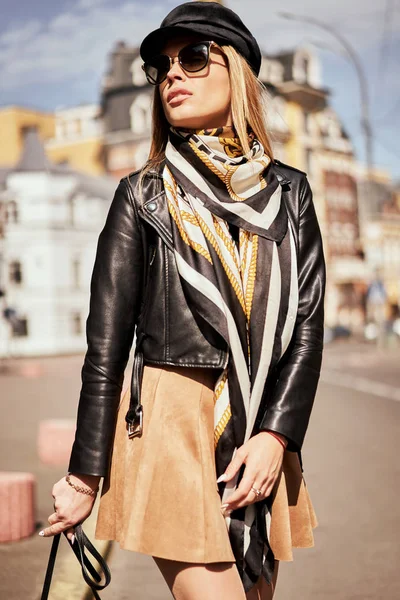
x,y
52,216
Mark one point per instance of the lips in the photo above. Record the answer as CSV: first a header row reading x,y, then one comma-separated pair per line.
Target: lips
x,y
178,95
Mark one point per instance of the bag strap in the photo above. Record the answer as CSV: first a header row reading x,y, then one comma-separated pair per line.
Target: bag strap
x,y
50,567
89,572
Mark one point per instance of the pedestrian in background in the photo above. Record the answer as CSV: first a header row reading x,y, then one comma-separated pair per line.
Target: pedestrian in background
x,y
212,254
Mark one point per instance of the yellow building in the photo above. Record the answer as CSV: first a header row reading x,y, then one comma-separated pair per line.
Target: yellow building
x,y
71,136
78,139
14,121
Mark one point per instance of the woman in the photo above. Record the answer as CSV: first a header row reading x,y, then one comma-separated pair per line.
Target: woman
x,y
212,254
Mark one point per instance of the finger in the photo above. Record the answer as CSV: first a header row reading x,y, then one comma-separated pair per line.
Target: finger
x,y
54,518
251,498
242,491
233,467
54,529
70,534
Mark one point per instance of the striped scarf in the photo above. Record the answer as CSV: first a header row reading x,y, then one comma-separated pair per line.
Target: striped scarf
x,y
247,291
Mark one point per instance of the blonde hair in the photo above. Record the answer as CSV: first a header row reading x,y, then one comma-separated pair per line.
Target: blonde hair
x,y
247,108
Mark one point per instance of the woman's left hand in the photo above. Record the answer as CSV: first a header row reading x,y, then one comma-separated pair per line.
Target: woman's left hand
x,y
263,455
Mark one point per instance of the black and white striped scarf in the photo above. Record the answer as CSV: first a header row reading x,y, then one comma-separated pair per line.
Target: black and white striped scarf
x,y
247,292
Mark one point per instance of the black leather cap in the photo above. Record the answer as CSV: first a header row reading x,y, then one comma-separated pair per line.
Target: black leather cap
x,y
209,19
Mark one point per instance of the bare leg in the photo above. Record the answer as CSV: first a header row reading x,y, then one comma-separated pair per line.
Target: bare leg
x,y
263,591
192,581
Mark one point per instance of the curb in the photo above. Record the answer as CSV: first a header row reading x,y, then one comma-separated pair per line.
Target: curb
x,y
67,579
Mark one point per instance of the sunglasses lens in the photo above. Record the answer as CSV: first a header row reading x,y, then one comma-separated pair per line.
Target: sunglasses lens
x,y
194,57
156,69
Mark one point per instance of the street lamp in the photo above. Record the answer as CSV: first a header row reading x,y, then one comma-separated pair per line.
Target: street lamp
x,y
362,80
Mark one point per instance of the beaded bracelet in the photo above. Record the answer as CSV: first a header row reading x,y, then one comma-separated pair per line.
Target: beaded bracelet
x,y
278,438
81,489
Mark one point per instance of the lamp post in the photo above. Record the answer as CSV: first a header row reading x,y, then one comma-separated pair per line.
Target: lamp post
x,y
362,81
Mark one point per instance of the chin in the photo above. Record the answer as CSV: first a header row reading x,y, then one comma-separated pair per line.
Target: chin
x,y
186,117
189,122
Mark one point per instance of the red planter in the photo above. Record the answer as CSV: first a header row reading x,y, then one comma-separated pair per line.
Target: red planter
x,y
17,505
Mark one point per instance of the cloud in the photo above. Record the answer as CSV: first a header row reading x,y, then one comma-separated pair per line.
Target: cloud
x,y
361,21
89,4
71,45
20,35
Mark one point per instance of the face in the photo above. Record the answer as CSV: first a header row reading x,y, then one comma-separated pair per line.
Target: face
x,y
198,100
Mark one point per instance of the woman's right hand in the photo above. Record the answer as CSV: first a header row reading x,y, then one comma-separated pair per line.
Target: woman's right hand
x,y
70,506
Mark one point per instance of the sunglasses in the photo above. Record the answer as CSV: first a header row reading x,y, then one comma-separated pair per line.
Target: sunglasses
x,y
192,58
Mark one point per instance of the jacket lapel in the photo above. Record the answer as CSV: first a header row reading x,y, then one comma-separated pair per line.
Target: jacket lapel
x,y
154,210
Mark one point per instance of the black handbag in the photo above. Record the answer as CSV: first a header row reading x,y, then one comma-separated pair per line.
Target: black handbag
x,y
90,574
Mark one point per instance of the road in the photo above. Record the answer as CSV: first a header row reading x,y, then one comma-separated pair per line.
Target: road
x,y
350,467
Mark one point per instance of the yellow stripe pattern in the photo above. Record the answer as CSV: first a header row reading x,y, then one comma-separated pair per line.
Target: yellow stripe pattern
x,y
219,389
251,278
237,287
197,247
220,428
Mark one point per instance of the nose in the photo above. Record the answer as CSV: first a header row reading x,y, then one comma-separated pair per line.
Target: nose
x,y
175,70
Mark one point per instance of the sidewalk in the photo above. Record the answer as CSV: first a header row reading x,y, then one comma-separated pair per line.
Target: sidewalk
x,y
363,359
37,389
33,390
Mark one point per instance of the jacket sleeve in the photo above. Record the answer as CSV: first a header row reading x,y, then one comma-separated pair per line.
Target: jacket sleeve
x,y
289,407
115,292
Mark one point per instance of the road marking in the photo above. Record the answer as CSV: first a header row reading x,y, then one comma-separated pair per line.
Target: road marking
x,y
361,384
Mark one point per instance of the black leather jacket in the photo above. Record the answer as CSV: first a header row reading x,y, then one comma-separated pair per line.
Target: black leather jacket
x,y
135,286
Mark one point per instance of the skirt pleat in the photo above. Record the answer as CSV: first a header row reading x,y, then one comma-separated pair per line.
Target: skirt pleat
x,y
161,497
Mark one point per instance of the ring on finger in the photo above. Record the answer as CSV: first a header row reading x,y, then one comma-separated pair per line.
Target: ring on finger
x,y
256,491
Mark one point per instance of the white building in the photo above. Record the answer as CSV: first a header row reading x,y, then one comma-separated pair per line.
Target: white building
x,y
52,217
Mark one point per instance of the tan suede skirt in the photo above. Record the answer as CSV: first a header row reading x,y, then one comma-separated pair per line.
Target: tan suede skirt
x,y
161,497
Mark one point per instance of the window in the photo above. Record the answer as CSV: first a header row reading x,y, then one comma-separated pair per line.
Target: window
x,y
307,121
138,76
19,327
301,68
15,271
76,273
27,129
305,64
12,212
309,160
76,321
140,114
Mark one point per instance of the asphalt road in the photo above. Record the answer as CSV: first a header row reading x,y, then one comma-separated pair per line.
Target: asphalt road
x,y
350,467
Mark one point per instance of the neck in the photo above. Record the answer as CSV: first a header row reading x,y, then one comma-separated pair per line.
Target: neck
x,y
227,131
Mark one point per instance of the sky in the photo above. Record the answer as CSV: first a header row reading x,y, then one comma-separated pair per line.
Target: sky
x,y
54,54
